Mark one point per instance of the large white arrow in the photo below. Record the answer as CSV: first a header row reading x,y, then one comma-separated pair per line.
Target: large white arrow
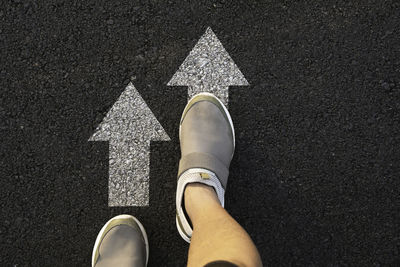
x,y
129,127
208,68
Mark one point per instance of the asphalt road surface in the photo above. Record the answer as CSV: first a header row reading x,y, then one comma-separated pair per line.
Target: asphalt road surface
x,y
316,175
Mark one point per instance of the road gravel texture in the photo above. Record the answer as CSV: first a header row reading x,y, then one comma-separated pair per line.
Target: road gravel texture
x,y
315,178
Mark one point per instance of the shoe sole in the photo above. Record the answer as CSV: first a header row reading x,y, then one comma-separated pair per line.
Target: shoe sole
x,y
105,228
204,95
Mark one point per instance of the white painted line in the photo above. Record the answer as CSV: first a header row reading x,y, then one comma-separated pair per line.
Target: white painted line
x,y
208,68
129,127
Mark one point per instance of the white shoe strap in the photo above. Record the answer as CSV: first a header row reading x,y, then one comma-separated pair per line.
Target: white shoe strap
x,y
196,175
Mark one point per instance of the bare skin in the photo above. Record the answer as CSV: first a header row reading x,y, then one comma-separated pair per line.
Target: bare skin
x,y
216,235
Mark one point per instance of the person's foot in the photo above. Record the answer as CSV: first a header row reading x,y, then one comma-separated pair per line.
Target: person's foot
x,y
121,242
207,139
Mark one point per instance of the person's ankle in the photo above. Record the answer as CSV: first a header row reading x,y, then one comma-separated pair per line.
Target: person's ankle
x,y
198,198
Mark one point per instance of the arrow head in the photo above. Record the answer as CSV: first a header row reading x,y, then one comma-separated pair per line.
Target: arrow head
x,y
130,119
208,65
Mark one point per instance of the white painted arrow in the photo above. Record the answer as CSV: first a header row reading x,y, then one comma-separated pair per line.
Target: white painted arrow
x,y
129,127
208,68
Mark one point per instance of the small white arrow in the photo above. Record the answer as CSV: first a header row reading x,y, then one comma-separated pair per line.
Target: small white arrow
x,y
208,68
129,127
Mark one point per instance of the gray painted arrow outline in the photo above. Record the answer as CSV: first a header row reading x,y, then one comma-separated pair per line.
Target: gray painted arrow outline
x,y
208,68
129,127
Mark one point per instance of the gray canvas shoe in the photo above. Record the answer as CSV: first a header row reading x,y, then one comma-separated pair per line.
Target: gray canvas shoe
x,y
207,139
121,242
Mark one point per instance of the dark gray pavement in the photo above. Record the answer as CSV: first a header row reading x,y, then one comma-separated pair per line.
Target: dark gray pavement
x,y
316,175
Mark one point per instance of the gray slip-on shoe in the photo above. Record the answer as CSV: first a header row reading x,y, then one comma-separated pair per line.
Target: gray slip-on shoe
x,y
207,140
121,242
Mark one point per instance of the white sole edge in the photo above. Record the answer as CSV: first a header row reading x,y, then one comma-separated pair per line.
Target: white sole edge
x,y
123,216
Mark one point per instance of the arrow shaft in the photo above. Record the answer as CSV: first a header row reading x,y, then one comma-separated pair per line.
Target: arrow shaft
x,y
128,183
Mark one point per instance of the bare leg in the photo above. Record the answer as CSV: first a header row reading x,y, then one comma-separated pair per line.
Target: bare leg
x,y
216,235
